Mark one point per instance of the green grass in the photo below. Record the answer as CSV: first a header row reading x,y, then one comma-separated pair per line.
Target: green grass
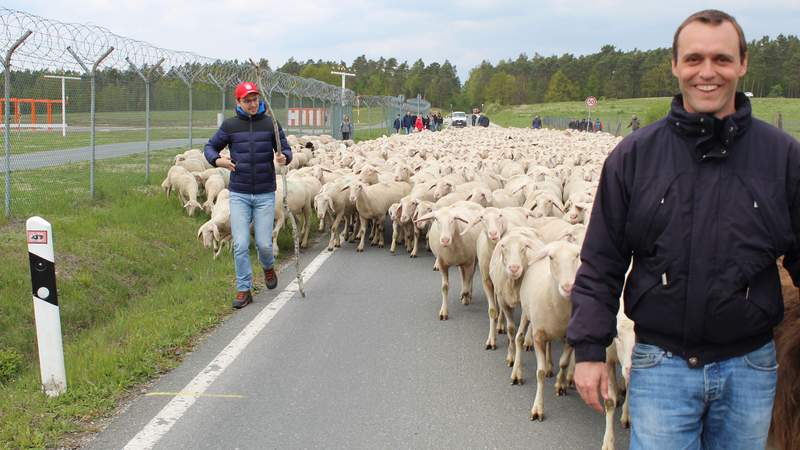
x,y
136,290
612,112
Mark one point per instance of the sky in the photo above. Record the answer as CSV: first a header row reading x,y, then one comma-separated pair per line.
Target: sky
x,y
465,32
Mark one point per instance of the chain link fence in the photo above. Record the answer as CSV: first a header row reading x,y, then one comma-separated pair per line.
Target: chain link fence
x,y
76,95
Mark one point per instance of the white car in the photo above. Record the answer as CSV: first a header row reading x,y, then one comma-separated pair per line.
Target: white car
x,y
458,119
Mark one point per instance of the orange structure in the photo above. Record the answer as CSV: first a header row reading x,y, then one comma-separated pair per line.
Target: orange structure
x,y
32,102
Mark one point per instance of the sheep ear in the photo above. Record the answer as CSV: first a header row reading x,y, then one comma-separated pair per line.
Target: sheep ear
x,y
470,224
425,217
543,252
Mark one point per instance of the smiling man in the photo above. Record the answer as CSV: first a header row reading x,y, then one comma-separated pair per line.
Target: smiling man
x,y
700,205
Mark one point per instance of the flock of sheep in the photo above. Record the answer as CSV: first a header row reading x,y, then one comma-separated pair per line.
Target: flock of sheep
x,y
512,203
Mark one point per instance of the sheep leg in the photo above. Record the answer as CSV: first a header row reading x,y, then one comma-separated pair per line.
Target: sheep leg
x,y
501,320
362,232
563,364
516,372
416,243
334,235
610,405
408,236
395,236
512,330
276,228
488,289
529,345
549,360
571,372
443,269
467,272
381,239
537,411
306,226
625,419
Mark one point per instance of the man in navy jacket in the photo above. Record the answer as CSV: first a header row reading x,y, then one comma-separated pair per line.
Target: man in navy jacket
x,y
250,137
700,205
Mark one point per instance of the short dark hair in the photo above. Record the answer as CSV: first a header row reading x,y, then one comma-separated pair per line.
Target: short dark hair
x,y
714,17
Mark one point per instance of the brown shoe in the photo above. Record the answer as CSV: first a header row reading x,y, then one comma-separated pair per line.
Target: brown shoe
x,y
270,278
243,298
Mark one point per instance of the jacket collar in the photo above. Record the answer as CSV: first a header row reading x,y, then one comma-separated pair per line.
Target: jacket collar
x,y
262,109
713,136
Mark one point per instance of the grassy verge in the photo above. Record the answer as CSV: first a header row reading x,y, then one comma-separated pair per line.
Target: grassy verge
x,y
612,112
135,286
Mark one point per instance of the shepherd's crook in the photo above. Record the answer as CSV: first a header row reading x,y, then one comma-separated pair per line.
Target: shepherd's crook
x,y
286,212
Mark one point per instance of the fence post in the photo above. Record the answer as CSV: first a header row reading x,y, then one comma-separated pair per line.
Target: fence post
x,y
146,80
92,118
189,83
6,124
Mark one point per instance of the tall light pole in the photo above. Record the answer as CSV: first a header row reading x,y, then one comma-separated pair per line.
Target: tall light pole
x,y
63,100
344,75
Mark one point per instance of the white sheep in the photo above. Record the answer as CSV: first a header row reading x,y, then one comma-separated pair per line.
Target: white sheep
x,y
372,203
217,230
544,295
452,248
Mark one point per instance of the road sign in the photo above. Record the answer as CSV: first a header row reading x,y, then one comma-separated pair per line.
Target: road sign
x,y
591,102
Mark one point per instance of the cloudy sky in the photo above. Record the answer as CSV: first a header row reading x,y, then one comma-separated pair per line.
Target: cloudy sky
x,y
464,32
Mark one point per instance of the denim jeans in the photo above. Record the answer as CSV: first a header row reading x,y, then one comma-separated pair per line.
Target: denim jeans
x,y
724,405
260,210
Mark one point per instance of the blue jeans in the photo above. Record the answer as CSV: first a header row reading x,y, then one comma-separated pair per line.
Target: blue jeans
x,y
259,209
724,405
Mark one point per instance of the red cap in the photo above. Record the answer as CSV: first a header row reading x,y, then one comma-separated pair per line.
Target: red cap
x,y
242,89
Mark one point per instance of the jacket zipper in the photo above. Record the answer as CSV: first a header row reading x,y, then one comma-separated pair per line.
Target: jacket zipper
x,y
252,159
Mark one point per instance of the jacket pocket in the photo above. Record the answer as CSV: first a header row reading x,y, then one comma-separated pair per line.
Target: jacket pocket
x,y
752,307
655,298
654,204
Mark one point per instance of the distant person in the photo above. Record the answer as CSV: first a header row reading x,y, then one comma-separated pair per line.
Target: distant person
x,y
419,124
537,123
250,137
598,126
689,219
346,128
483,120
408,122
474,116
634,123
397,124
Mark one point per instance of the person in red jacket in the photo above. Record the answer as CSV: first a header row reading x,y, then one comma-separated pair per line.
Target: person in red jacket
x,y
418,125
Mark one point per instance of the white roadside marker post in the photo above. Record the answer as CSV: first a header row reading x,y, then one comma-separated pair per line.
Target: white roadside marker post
x,y
45,306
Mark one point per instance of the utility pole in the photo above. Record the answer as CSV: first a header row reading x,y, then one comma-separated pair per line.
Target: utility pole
x,y
344,75
63,100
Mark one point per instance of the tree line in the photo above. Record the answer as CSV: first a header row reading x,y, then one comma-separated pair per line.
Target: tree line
x,y
774,71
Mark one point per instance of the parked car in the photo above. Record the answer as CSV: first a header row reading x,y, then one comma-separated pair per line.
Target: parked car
x,y
458,119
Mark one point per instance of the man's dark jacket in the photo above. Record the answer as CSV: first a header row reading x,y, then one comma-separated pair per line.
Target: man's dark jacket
x,y
703,207
483,121
251,140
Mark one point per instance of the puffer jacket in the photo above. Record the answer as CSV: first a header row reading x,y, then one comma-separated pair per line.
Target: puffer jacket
x,y
251,140
703,208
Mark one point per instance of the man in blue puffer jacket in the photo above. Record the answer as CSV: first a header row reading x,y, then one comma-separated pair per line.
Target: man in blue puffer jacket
x,y
250,137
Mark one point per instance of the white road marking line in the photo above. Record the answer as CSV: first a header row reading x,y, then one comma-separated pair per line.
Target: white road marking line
x,y
191,394
158,427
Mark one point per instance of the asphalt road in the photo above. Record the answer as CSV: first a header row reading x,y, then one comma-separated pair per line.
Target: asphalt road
x,y
36,160
362,362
